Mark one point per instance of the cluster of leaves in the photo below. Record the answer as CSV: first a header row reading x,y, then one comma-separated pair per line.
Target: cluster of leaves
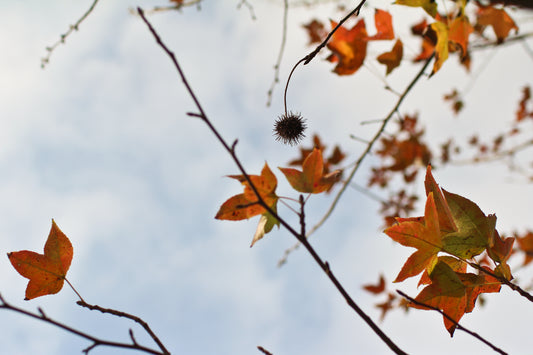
x,y
456,227
447,33
504,145
260,196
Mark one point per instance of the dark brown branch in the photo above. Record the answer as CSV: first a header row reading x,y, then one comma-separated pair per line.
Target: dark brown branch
x,y
136,319
264,351
95,341
300,236
459,326
45,60
526,4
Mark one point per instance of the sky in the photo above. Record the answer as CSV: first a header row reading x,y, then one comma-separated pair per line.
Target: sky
x,y
100,141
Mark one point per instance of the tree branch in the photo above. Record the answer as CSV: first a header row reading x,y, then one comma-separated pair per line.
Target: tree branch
x,y
95,341
136,319
300,236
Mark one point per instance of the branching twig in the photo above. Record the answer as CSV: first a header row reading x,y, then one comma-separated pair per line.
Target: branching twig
x,y
300,236
360,160
459,326
136,319
45,60
280,54
249,6
308,58
95,341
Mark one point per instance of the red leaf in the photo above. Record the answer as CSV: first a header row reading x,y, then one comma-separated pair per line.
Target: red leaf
x,y
311,179
349,47
46,271
383,21
246,205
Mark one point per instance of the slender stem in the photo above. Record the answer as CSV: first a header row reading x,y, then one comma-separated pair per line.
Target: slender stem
x,y
300,236
308,58
73,289
45,60
280,53
459,326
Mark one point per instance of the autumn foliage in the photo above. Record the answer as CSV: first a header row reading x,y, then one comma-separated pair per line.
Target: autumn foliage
x,y
458,253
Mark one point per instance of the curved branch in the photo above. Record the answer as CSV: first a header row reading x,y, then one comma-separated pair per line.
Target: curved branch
x,y
95,341
136,319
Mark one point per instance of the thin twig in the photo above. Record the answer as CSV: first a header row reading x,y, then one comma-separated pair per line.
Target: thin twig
x,y
280,53
177,7
459,326
250,8
357,164
308,58
264,351
136,319
45,60
95,341
300,236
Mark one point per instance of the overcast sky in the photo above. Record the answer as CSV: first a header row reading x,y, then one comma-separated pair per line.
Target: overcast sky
x,y
100,142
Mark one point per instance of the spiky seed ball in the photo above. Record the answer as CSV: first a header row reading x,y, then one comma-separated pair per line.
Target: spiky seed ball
x,y
289,128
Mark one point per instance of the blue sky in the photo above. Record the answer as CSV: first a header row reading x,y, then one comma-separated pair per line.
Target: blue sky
x,y
100,142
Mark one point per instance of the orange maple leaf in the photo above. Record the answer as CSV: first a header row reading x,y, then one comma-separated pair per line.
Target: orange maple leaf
x,y
312,178
500,21
383,21
459,32
348,48
246,205
46,272
454,293
423,235
393,58
525,244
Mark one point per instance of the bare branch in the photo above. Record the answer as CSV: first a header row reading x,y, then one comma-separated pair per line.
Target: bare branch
x,y
95,341
46,59
280,54
136,319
